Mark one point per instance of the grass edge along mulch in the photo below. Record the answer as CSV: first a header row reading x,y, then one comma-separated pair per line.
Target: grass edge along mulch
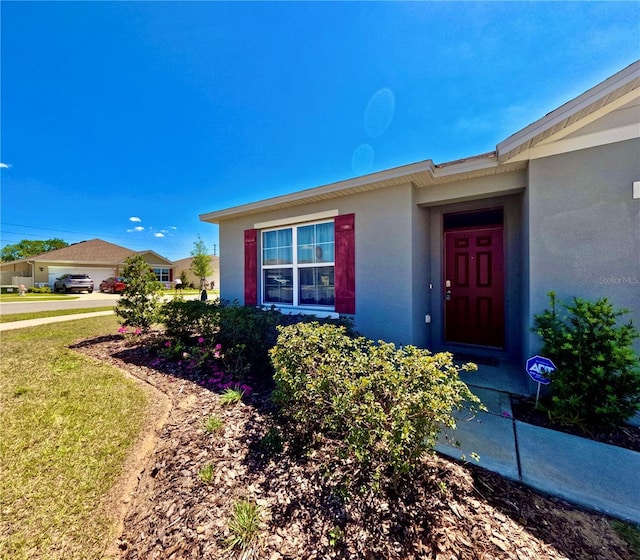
x,y
67,426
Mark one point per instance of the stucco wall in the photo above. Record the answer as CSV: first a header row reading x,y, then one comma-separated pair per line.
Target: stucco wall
x,y
585,228
384,264
384,236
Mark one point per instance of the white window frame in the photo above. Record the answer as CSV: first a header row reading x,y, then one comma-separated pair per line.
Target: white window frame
x,y
295,266
160,271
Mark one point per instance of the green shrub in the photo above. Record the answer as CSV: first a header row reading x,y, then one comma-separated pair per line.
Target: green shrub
x,y
382,406
597,383
245,334
41,290
139,304
187,319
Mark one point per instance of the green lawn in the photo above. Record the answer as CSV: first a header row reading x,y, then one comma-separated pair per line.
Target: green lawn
x,y
67,423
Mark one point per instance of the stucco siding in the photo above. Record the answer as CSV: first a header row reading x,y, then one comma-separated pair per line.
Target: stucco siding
x,y
472,189
585,227
384,264
232,259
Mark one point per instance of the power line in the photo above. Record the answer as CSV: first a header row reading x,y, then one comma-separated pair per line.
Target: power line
x,y
62,231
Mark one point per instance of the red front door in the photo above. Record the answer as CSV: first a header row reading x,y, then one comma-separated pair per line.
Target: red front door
x,y
474,286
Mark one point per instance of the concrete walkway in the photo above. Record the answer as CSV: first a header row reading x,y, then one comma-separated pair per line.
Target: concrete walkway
x,y
593,475
590,474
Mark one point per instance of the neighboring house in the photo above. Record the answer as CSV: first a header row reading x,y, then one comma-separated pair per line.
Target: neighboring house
x,y
459,256
99,259
185,265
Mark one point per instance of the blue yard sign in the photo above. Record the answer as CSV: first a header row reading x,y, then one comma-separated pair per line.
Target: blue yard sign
x,y
540,368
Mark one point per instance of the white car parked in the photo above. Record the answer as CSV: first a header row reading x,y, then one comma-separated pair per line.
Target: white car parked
x,y
73,283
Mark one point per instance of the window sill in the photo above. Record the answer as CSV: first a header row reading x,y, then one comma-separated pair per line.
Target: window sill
x,y
320,312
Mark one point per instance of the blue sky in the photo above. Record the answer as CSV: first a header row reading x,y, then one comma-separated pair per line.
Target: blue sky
x,y
126,120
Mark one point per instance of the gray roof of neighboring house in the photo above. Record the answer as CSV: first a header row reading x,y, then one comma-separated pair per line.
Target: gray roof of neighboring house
x,y
94,251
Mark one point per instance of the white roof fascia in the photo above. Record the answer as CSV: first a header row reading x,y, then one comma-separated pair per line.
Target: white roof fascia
x,y
468,165
566,111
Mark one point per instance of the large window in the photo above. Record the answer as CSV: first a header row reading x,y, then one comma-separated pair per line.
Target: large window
x,y
162,274
298,265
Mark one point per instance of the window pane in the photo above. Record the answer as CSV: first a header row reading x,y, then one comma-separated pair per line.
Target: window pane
x,y
285,246
277,247
305,244
162,274
315,243
270,256
305,254
323,252
285,255
324,233
270,240
278,285
305,235
285,237
317,286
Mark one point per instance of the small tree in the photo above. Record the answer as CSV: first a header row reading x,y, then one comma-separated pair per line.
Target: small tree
x,y
201,262
139,304
597,383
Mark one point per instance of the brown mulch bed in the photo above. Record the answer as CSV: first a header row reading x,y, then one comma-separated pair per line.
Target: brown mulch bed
x,y
455,511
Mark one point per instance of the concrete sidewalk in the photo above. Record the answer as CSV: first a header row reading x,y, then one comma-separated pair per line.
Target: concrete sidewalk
x,y
593,475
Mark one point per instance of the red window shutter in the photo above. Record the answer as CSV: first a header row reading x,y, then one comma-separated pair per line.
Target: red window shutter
x,y
345,263
251,267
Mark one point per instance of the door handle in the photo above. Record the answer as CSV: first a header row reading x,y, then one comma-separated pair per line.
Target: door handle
x,y
447,292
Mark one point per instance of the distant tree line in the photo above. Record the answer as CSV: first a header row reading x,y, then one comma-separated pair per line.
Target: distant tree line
x,y
30,248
